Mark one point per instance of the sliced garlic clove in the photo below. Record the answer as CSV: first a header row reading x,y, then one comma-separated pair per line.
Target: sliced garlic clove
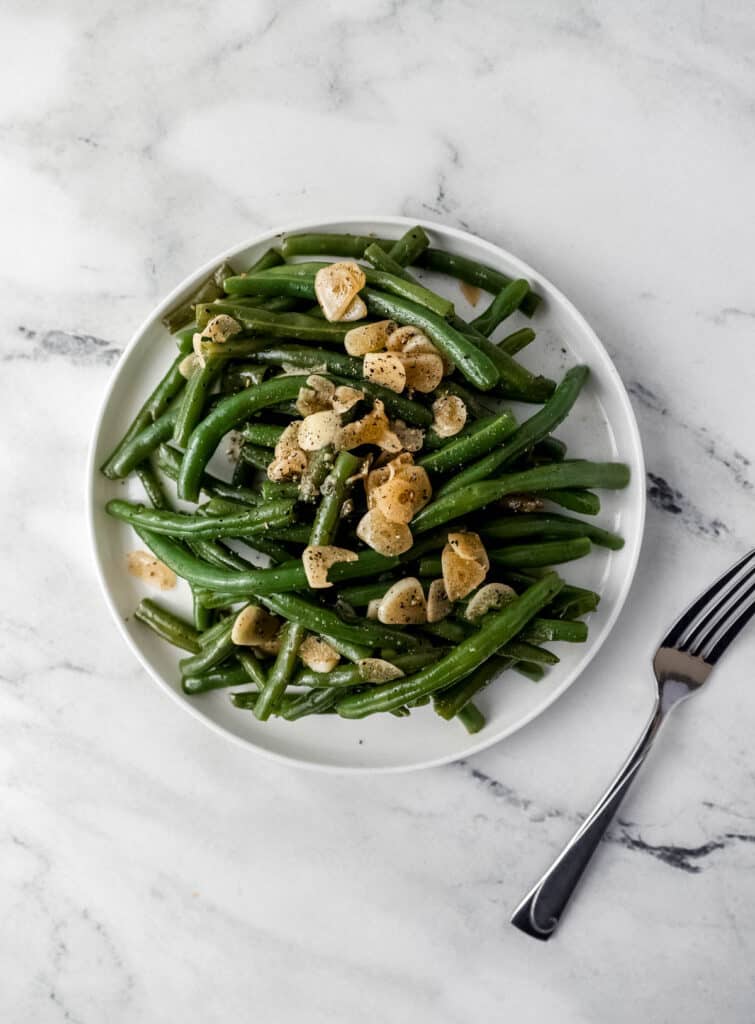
x,y
221,328
345,398
491,596
438,605
383,536
469,546
188,366
424,371
356,311
316,396
450,415
377,670
318,655
385,368
412,438
336,287
359,341
254,626
372,608
403,604
317,559
319,429
401,336
460,575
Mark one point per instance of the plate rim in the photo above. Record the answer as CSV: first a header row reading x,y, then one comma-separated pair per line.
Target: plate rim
x,y
637,466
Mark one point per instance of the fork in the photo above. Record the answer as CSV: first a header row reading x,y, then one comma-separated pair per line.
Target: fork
x,y
681,664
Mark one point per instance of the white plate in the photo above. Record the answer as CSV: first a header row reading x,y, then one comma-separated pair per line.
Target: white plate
x,y
601,426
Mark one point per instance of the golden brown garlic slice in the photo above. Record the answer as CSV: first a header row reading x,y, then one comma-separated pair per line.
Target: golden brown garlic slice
x,y
345,398
336,288
488,598
289,461
316,396
382,535
385,368
424,371
377,670
319,429
318,558
318,655
460,575
254,627
403,604
449,415
438,605
469,546
220,329
368,338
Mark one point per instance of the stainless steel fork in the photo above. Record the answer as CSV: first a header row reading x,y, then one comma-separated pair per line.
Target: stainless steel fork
x,y
682,663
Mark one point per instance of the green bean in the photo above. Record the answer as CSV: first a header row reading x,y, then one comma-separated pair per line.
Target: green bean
x,y
472,272
168,461
471,718
168,626
266,434
320,619
549,524
319,464
479,404
218,554
291,534
362,593
475,443
550,449
410,246
277,490
227,414
548,552
334,490
206,291
213,653
185,342
532,430
239,376
194,400
225,507
141,445
316,702
180,524
497,628
575,500
521,650
447,629
255,455
215,679
152,486
209,636
529,669
353,675
541,631
203,617
291,636
579,473
451,701
515,381
381,260
506,302
270,258
515,342
568,594
348,649
311,359
251,665
322,243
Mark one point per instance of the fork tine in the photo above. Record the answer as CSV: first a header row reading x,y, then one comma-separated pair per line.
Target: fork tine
x,y
715,621
720,641
699,605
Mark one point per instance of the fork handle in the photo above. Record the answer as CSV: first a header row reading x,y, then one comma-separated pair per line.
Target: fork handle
x,y
540,911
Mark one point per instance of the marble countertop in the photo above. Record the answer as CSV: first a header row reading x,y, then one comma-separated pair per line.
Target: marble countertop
x,y
150,871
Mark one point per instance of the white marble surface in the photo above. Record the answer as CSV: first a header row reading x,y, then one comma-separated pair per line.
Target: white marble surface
x,y
150,871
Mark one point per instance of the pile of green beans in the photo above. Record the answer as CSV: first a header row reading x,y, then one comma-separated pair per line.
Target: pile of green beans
x,y
239,543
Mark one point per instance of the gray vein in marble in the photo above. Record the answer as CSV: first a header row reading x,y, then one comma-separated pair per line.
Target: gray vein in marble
x,y
673,855
79,349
